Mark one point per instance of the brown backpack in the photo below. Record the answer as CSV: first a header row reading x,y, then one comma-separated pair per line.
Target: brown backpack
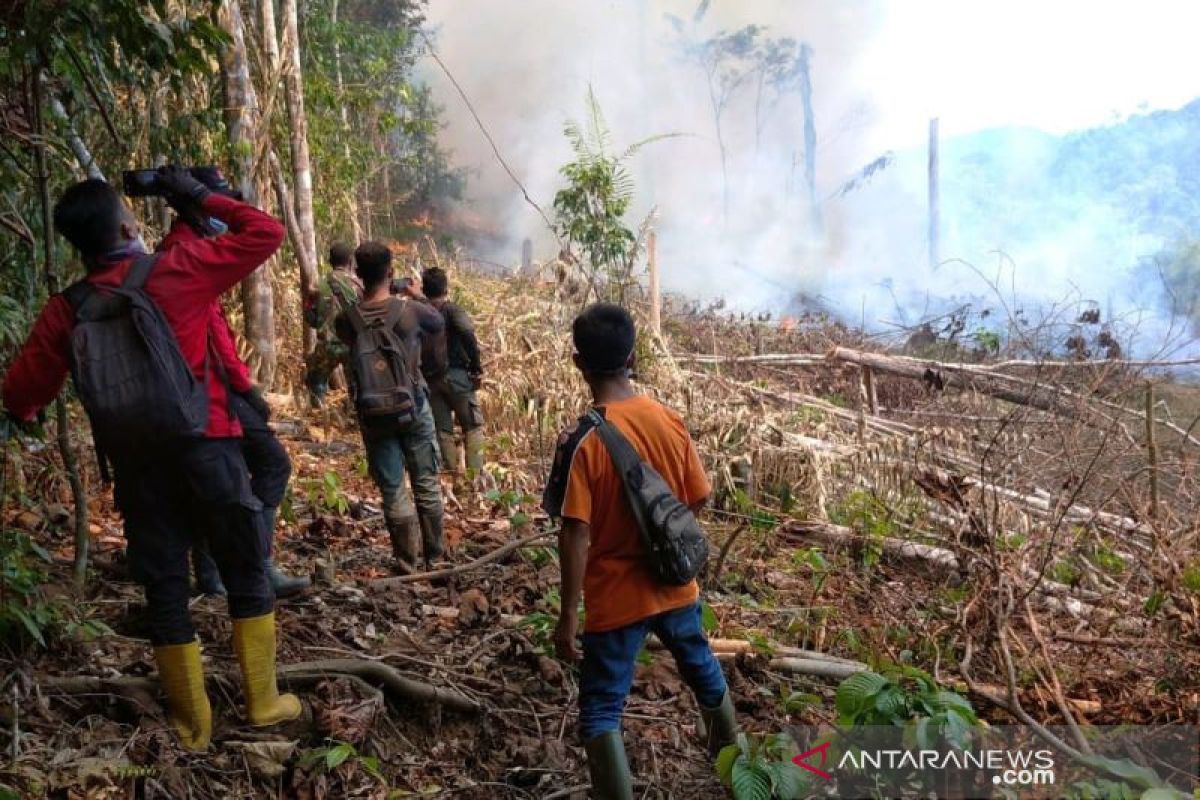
x,y
383,384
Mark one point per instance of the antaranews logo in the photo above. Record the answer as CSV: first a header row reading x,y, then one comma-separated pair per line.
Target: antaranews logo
x,y
1019,768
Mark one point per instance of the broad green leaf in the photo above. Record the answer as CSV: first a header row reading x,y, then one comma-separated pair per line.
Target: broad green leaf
x,y
724,765
790,782
708,618
1143,777
856,693
1163,794
891,703
751,781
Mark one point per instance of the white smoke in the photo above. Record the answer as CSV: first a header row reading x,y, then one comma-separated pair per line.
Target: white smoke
x,y
526,67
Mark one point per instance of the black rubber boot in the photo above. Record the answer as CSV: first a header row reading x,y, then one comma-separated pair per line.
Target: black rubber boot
x,y
431,538
718,726
208,577
609,767
283,584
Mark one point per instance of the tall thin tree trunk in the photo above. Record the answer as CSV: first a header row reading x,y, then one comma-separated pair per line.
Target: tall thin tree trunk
x,y
241,121
65,448
293,81
351,197
810,136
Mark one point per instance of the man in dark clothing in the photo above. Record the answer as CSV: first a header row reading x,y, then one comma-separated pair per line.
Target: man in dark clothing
x,y
394,445
454,373
168,491
339,291
266,458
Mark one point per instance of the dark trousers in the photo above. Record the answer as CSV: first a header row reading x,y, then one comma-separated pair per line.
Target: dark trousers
x,y
170,496
270,468
266,457
454,399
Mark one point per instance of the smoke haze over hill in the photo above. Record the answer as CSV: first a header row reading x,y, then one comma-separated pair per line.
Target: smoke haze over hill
x,y
1020,192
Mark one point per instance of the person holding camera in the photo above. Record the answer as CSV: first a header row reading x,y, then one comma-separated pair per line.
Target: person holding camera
x,y
383,335
136,336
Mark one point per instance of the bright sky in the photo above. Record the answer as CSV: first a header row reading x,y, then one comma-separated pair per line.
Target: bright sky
x,y
1054,64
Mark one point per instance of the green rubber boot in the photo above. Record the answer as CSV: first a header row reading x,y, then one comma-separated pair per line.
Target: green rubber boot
x,y
718,726
608,767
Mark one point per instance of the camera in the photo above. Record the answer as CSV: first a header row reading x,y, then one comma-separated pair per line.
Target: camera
x,y
144,182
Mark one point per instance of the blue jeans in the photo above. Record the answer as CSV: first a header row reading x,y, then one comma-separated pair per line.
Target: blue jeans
x,y
609,659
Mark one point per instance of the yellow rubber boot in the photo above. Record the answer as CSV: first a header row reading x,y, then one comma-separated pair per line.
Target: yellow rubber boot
x,y
182,677
254,643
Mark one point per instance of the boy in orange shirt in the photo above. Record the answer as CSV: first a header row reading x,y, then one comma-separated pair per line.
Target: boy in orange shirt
x,y
601,554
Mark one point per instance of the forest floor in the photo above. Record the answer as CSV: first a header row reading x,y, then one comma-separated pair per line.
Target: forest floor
x,y
485,633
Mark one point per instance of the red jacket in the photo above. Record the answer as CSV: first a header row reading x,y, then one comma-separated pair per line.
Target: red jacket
x,y
186,283
224,341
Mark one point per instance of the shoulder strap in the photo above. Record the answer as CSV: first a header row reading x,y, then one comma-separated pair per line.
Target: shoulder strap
x,y
140,271
624,456
395,309
357,320
78,293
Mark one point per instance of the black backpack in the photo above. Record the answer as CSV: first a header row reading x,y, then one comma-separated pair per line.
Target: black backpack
x,y
384,386
672,538
127,367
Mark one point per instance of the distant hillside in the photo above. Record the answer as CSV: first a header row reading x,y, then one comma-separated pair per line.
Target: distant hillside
x,y
1106,216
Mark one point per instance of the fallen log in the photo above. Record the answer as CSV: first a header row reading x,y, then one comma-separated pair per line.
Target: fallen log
x,y
833,670
484,560
305,673
901,549
972,377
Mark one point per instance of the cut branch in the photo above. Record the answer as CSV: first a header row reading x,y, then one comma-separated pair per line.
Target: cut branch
x,y
484,560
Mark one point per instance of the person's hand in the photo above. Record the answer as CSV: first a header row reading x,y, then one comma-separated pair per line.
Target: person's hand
x,y
413,287
564,637
476,380
181,190
254,398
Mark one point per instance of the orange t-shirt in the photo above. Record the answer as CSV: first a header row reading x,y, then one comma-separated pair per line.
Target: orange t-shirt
x,y
618,588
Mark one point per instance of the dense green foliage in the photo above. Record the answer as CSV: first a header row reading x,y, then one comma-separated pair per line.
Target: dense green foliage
x,y
372,128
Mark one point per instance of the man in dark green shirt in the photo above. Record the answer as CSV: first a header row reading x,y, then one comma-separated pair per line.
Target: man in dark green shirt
x,y
340,290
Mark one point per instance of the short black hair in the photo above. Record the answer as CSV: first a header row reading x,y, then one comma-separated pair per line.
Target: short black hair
x,y
435,282
604,335
89,215
340,254
373,262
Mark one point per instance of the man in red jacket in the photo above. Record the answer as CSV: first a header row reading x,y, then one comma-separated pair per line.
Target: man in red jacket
x,y
167,492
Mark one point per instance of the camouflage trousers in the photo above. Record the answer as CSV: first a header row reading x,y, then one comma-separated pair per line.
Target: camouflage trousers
x,y
410,449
